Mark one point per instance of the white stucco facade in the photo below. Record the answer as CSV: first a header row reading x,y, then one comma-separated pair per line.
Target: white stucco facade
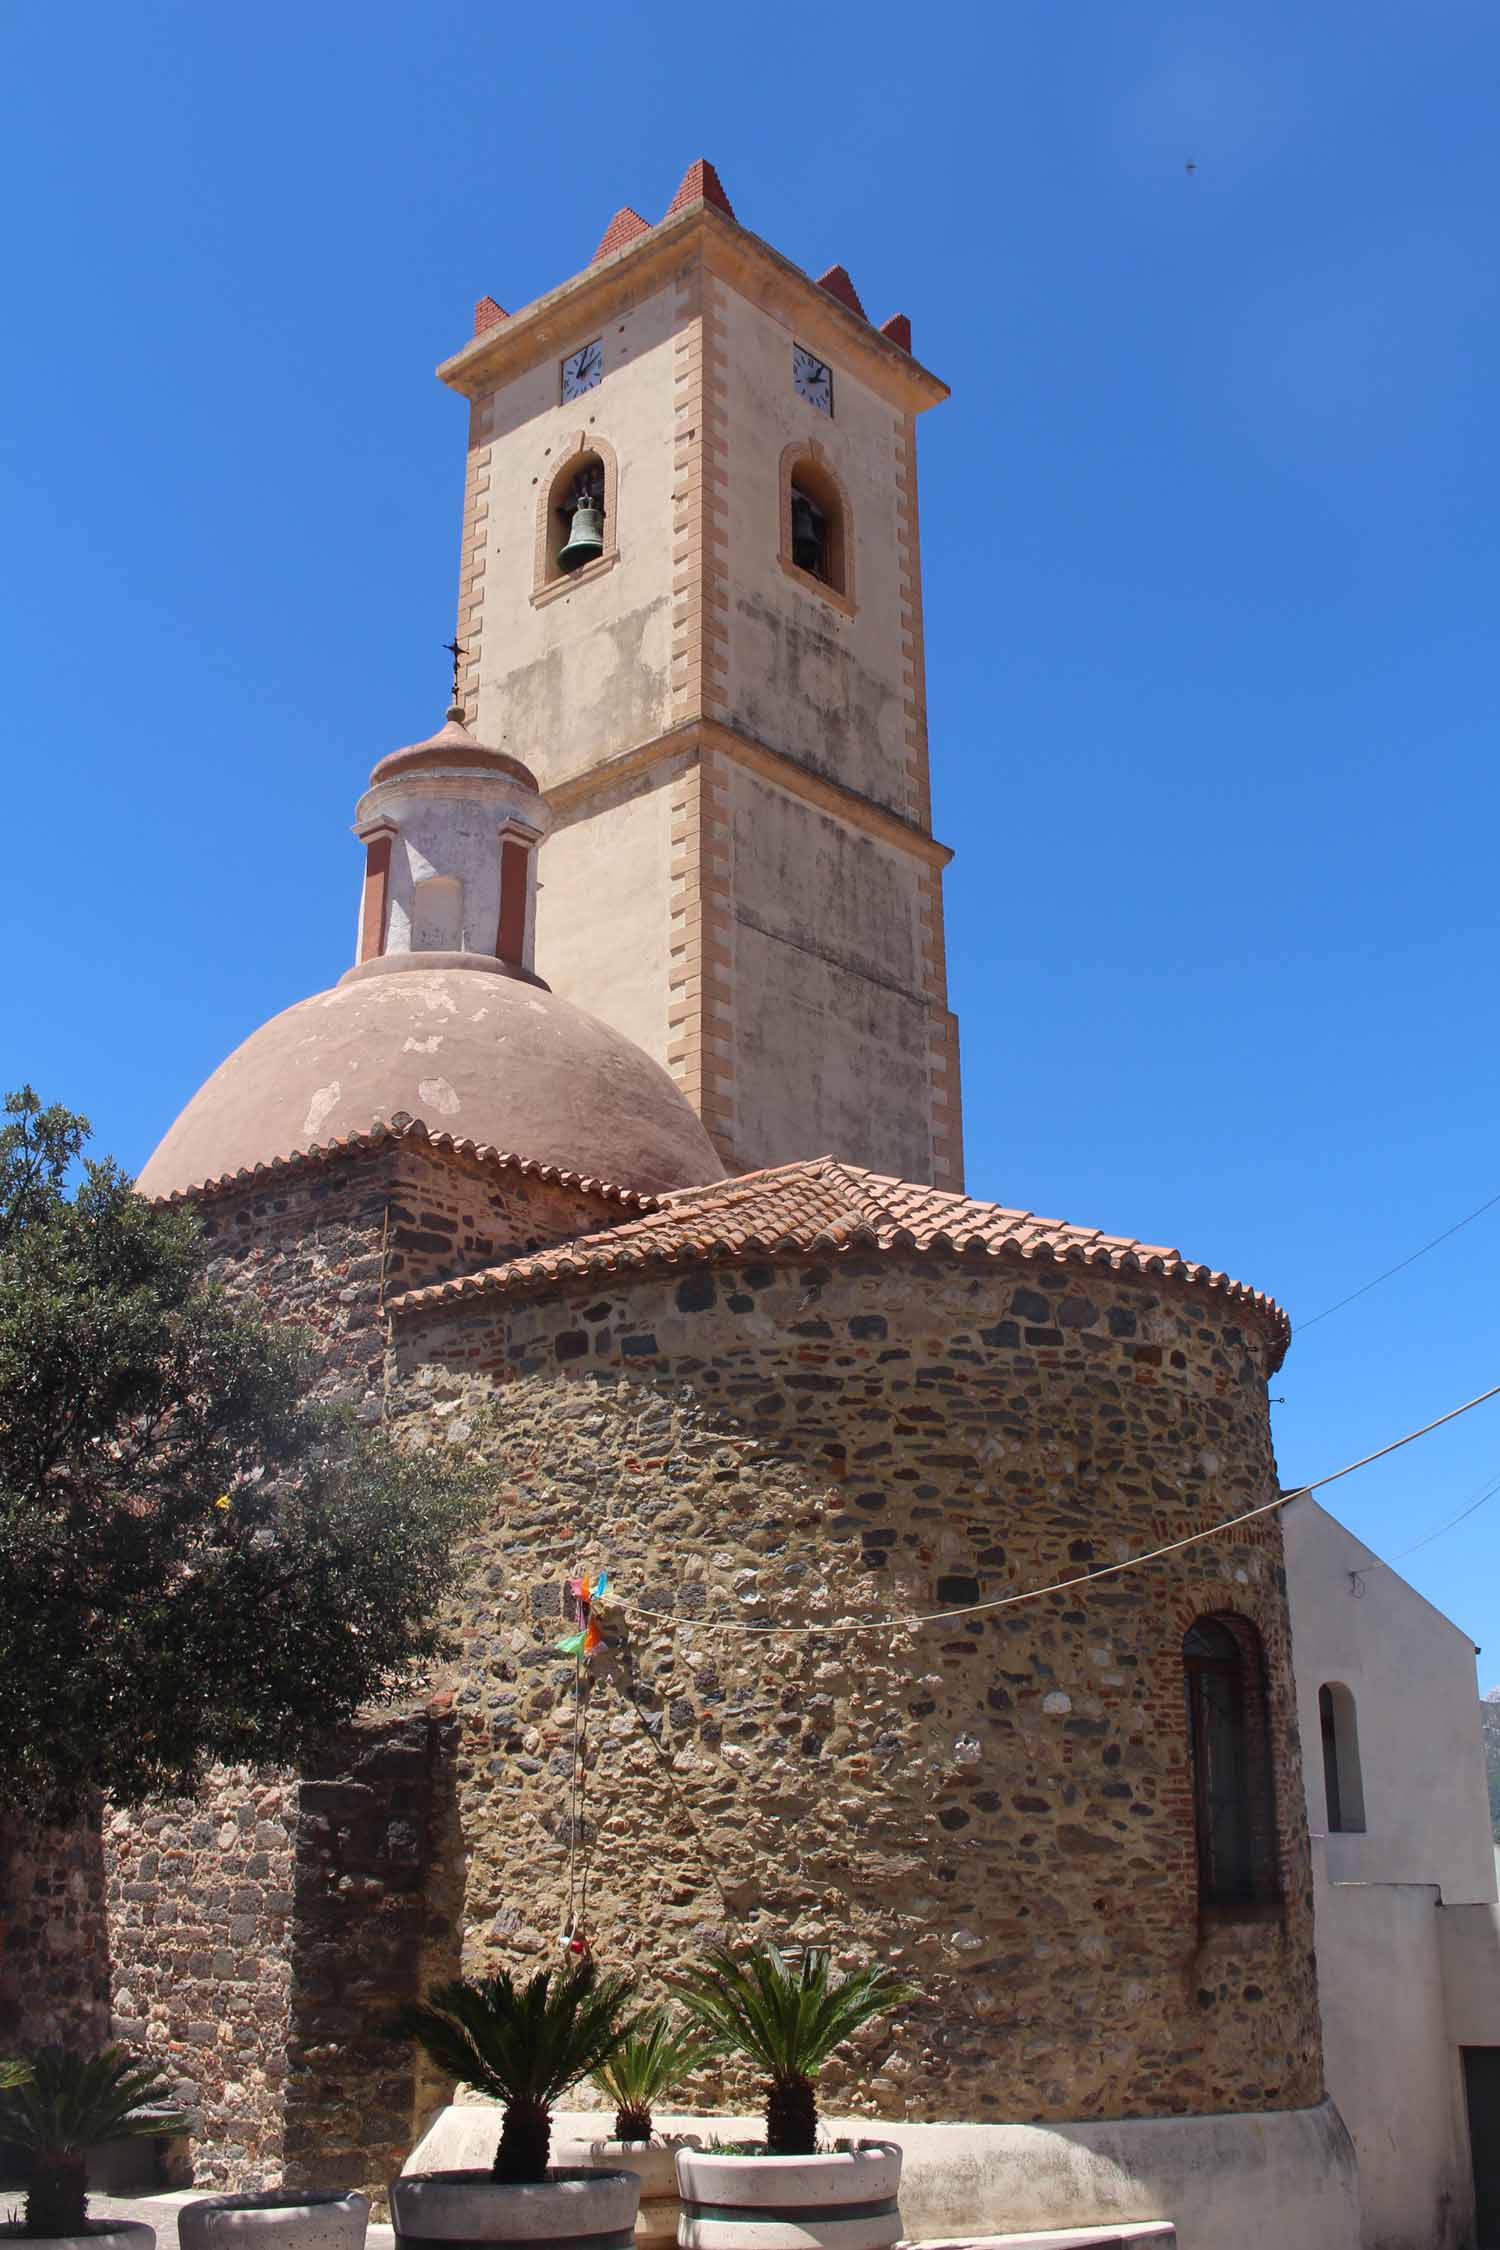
x,y
1407,1928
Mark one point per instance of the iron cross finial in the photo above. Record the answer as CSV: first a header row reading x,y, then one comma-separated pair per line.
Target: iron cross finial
x,y
456,650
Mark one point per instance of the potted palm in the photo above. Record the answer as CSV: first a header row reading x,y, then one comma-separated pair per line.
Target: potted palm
x,y
787,2022
276,2219
57,2107
524,2045
646,2067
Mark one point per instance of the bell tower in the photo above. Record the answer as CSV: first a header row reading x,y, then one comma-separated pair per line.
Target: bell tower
x,y
690,602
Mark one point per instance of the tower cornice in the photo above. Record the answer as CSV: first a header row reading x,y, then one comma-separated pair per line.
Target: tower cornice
x,y
695,736
730,251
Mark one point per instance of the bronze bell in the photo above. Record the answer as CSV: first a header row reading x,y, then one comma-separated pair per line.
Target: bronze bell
x,y
586,539
807,534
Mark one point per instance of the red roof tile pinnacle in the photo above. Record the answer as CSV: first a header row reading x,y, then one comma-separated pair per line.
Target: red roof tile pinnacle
x,y
823,1205
836,281
488,314
623,227
898,328
701,184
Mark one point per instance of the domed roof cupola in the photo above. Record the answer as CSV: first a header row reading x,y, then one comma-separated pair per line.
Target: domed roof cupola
x,y
450,829
443,1015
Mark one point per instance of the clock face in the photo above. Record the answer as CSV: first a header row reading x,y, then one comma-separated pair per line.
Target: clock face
x,y
812,380
582,370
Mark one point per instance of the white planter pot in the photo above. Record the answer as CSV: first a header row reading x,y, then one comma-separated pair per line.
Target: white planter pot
x,y
569,2210
654,2164
286,2219
845,2201
122,2234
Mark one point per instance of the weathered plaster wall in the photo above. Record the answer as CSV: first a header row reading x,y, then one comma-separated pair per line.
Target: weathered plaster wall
x,y
1225,2183
1411,1673
830,1016
1389,1899
449,828
1000,1806
604,929
1392,2065
799,673
569,681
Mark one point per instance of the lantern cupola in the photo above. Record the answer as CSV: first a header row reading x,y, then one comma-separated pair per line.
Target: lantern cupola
x,y
450,828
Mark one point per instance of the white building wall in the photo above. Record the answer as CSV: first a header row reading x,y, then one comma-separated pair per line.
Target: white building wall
x,y
1390,2061
1409,1898
1412,1676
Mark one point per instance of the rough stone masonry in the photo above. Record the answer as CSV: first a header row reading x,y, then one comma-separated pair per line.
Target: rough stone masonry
x,y
999,1804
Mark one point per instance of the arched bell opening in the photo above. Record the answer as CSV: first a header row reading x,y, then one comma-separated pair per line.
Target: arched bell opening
x,y
815,529
577,516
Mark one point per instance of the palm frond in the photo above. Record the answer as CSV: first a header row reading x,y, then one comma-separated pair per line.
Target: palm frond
x,y
521,2043
653,2060
787,2021
71,2102
13,2074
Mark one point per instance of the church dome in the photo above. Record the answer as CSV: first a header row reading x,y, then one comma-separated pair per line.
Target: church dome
x,y
464,1044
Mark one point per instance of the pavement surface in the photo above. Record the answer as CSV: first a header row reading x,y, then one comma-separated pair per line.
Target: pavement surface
x,y
160,2211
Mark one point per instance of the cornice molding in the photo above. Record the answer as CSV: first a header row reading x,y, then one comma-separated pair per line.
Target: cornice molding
x,y
569,796
558,321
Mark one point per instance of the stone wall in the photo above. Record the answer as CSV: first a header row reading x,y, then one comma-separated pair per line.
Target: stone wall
x,y
54,1959
200,1918
322,1244
999,1804
261,1935
373,1928
326,1243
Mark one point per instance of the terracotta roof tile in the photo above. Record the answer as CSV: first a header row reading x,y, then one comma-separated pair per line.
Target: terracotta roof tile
x,y
404,1128
823,1205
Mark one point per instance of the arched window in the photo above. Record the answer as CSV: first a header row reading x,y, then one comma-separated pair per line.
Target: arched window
x,y
1343,1784
1229,1750
816,536
576,505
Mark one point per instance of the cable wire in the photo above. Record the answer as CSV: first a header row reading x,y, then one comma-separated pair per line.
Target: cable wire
x,y
844,1628
1329,1310
1384,1562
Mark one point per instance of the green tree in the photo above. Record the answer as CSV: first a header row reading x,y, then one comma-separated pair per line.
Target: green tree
x,y
198,1559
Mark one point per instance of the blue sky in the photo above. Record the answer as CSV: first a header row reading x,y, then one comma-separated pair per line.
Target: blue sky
x,y
1210,536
